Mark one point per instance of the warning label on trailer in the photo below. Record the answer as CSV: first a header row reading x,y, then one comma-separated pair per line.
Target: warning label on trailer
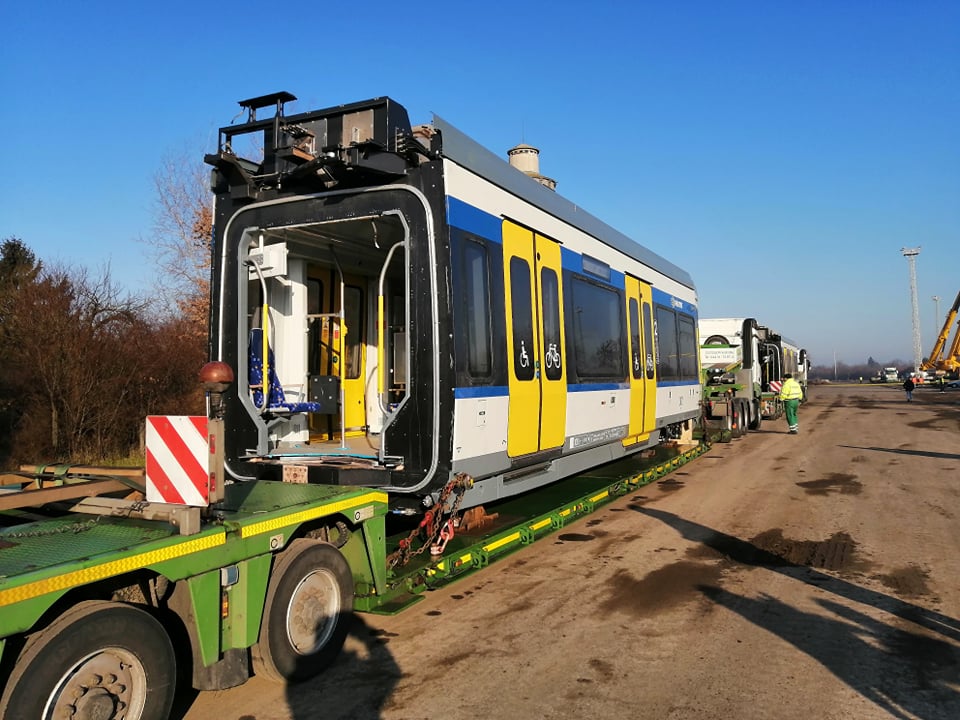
x,y
177,460
719,356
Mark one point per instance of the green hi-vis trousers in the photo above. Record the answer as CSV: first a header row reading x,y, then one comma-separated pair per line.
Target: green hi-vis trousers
x,y
790,406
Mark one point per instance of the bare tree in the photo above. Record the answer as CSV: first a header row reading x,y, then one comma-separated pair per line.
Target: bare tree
x,y
69,334
18,269
90,364
84,361
181,241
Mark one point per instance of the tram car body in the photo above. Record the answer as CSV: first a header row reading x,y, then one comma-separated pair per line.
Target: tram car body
x,y
401,306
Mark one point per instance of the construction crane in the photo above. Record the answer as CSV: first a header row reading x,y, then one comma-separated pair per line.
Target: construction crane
x,y
949,362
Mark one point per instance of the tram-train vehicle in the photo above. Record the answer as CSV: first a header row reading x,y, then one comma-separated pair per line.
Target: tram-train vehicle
x,y
403,307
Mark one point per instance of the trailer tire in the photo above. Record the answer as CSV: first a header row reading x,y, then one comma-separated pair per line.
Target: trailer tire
x,y
307,612
89,660
738,429
757,419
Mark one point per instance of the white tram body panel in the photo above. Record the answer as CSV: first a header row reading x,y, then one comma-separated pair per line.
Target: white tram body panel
x,y
597,418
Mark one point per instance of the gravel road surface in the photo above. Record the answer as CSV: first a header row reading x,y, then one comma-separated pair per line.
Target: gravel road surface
x,y
807,577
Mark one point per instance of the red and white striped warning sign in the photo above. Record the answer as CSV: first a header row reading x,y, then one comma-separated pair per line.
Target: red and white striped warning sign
x,y
177,460
775,386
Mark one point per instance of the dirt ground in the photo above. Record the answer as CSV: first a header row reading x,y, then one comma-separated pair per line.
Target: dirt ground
x,y
807,577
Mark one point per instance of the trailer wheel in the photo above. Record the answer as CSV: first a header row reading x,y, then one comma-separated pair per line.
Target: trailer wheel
x,y
745,416
738,429
757,420
307,612
97,660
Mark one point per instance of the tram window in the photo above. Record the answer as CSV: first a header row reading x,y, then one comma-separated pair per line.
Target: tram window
x,y
552,351
688,347
353,318
648,340
597,331
636,352
523,352
477,288
668,366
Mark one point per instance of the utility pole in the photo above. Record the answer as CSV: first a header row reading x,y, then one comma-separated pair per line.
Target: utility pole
x,y
936,313
911,255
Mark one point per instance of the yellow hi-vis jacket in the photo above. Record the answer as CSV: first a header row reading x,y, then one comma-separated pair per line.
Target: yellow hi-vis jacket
x,y
791,390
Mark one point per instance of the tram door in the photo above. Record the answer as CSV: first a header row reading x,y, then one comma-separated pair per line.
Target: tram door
x,y
643,384
536,417
338,348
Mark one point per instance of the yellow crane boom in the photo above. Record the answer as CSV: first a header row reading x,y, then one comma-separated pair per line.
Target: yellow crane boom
x,y
951,360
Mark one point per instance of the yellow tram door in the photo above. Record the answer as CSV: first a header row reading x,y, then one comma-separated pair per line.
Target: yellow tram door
x,y
643,386
337,346
354,351
537,379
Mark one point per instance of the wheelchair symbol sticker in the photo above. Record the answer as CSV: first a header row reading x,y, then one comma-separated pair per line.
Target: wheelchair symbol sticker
x,y
524,358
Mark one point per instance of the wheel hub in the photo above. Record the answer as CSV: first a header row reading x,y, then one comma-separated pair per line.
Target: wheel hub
x,y
311,614
98,704
106,685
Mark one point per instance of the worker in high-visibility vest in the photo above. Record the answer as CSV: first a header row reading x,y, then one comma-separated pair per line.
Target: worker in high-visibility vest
x,y
791,393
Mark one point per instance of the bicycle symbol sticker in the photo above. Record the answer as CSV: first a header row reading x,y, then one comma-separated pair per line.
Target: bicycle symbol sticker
x,y
553,357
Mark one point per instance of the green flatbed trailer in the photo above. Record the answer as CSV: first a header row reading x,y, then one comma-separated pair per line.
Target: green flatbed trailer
x,y
101,607
521,521
220,590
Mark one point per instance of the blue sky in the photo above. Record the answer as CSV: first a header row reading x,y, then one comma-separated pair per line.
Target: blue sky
x,y
782,152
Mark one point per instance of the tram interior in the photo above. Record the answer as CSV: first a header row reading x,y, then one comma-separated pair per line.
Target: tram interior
x,y
320,293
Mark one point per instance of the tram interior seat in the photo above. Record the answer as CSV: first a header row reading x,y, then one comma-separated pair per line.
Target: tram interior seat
x,y
276,399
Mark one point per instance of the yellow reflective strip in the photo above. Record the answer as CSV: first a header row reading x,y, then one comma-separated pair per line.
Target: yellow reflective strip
x,y
541,524
502,541
298,517
599,496
442,565
564,513
76,578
